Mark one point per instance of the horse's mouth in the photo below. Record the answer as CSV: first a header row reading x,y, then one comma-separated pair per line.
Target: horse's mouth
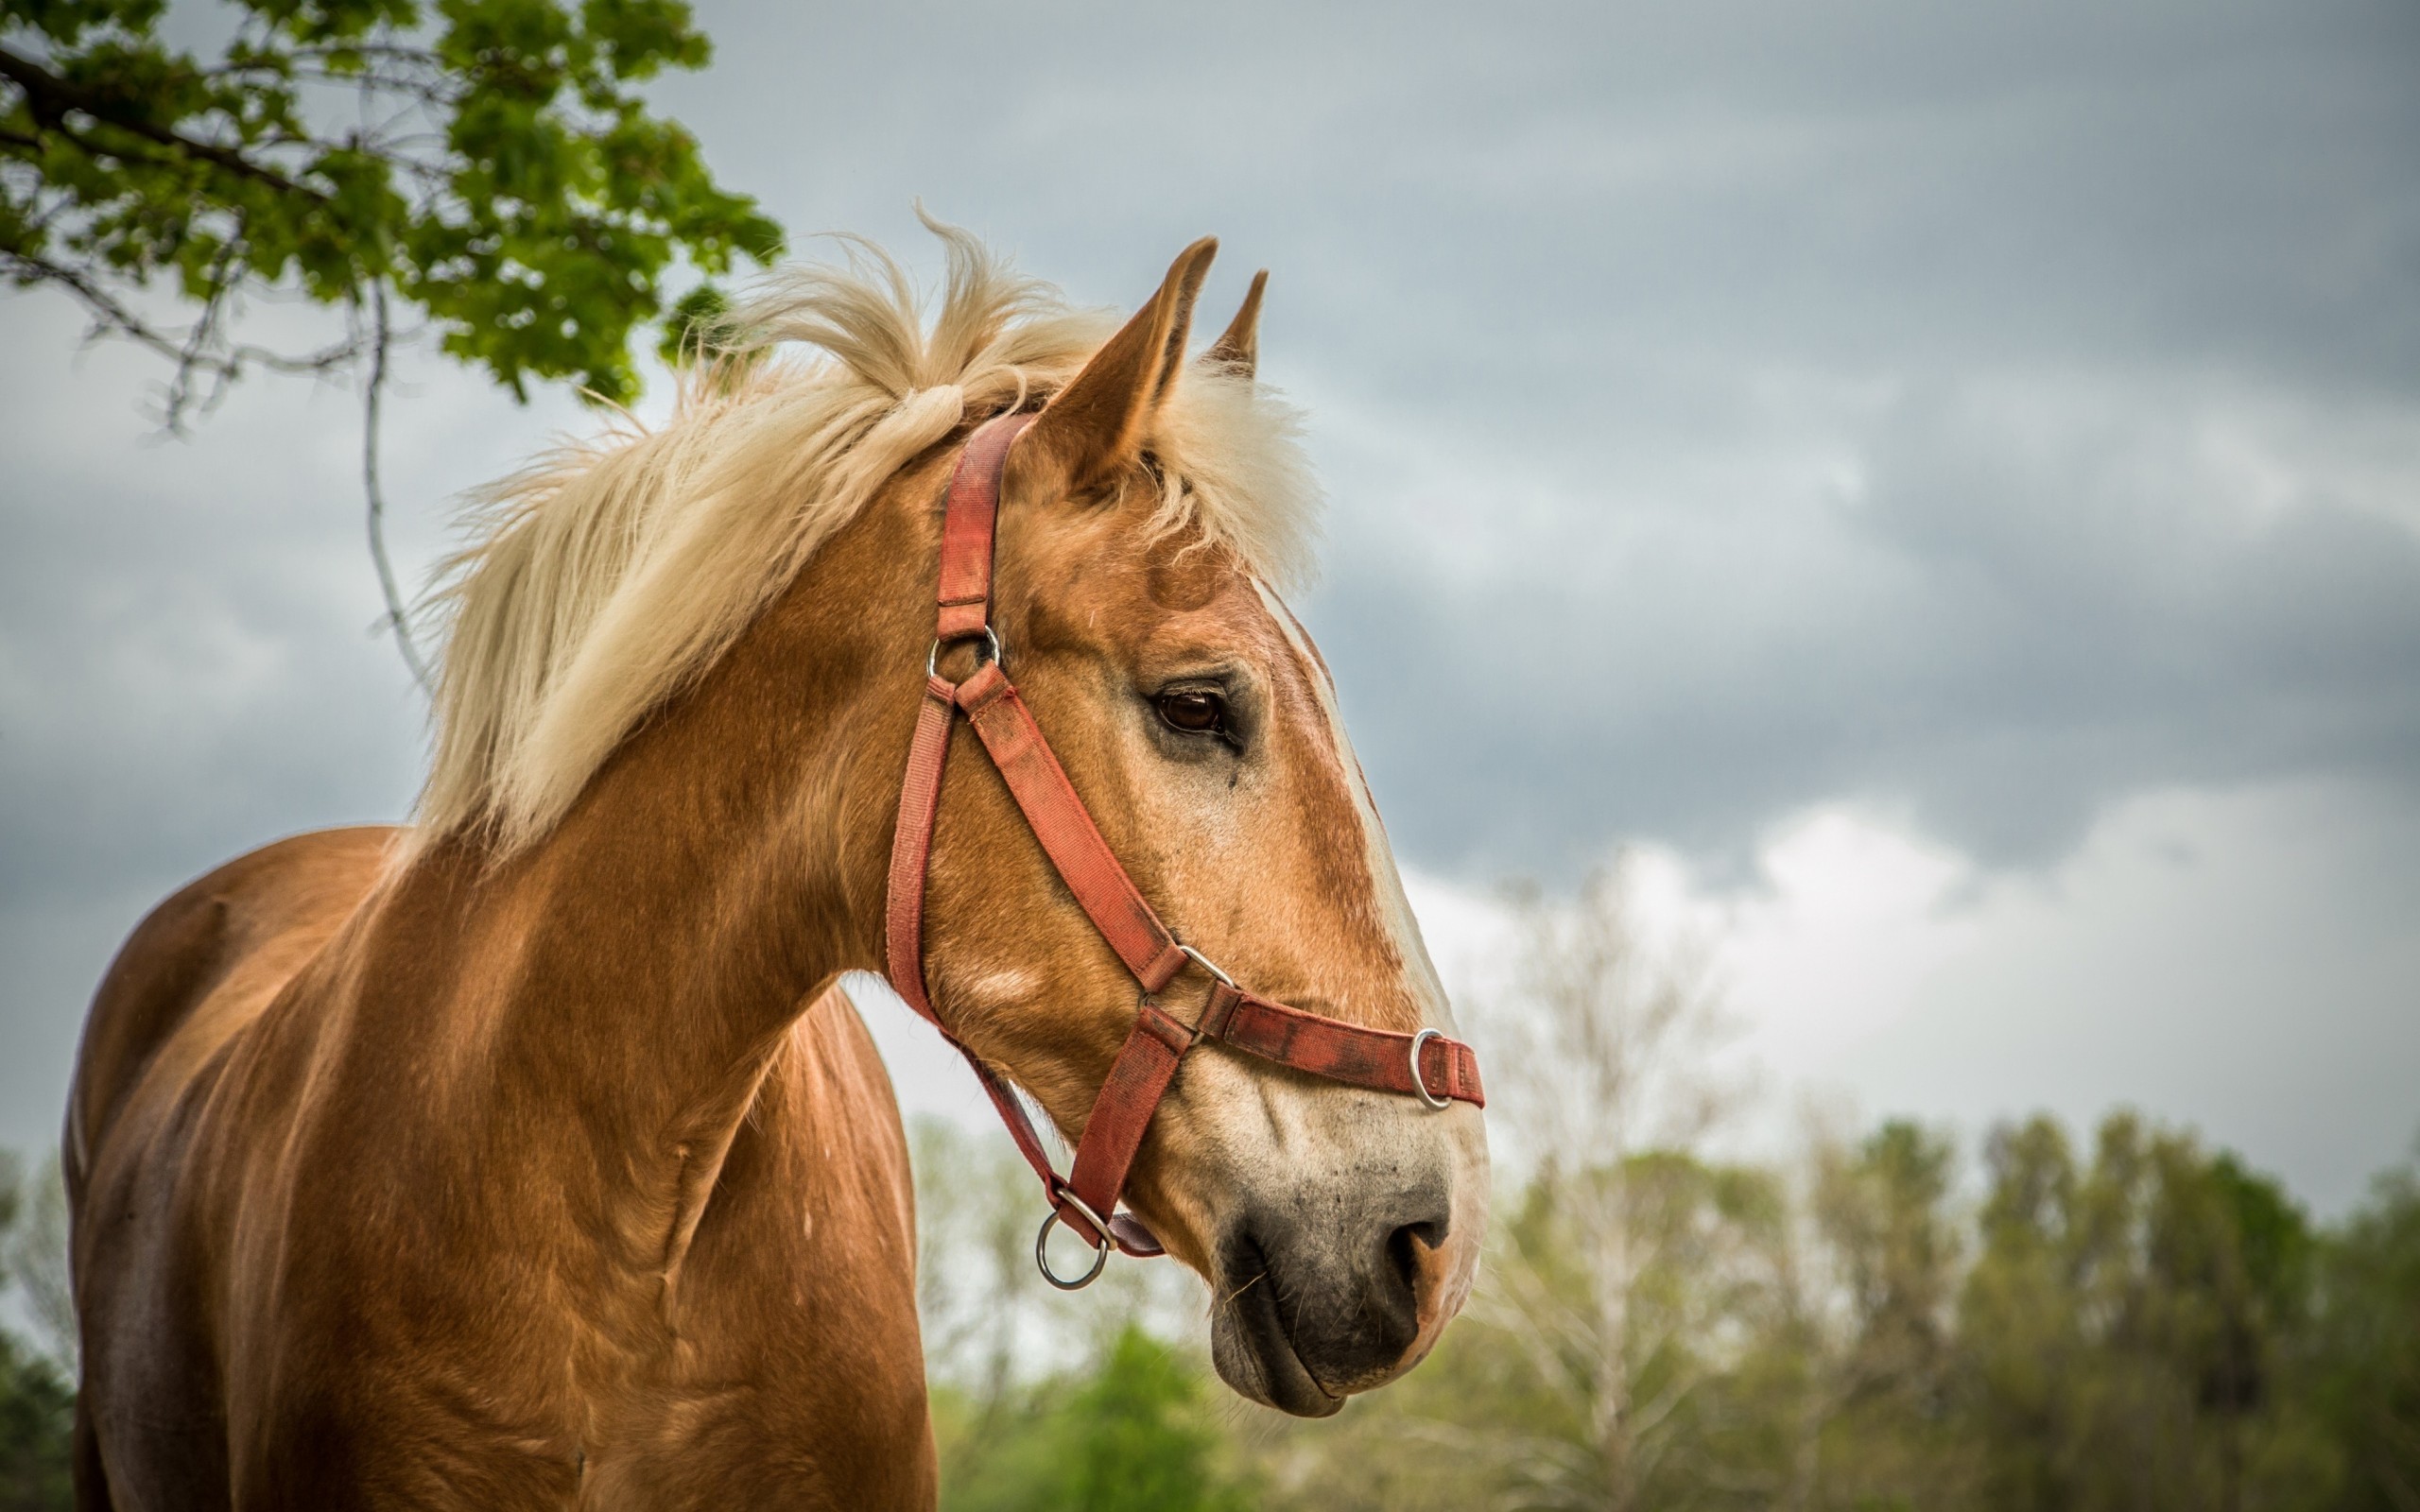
x,y
1248,1343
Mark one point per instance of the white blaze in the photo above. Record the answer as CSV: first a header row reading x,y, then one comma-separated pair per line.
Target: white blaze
x,y
1385,885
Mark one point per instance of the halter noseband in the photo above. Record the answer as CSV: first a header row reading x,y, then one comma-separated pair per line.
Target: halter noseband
x,y
1425,1065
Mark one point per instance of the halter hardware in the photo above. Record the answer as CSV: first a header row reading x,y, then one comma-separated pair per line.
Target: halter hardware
x,y
1102,1247
1206,963
1357,1055
1420,1078
989,653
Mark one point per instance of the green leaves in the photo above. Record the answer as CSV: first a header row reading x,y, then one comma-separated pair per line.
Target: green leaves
x,y
1132,1432
686,329
487,162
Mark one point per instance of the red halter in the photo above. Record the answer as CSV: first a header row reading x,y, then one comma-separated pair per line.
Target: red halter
x,y
1425,1065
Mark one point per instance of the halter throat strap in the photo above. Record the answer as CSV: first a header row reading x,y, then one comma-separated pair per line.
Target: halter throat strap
x,y
1427,1065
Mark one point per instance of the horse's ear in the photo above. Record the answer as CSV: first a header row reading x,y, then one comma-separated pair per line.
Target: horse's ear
x,y
1238,350
1096,426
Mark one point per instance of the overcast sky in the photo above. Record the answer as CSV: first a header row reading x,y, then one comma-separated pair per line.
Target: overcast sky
x,y
1942,482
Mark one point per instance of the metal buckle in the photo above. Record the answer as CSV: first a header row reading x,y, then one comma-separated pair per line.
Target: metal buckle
x,y
991,651
1419,1082
1143,998
1042,1241
1206,964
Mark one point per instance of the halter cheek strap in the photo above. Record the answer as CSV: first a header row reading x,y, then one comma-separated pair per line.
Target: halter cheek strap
x,y
1426,1065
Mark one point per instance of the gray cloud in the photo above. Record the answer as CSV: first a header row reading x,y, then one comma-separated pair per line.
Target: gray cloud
x,y
1734,405
2002,619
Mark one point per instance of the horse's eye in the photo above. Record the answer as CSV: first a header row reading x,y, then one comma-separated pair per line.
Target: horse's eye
x,y
1194,710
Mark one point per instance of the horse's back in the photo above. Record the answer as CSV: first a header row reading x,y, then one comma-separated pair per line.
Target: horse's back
x,y
194,973
247,926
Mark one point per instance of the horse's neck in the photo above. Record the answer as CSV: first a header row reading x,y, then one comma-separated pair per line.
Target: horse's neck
x,y
627,982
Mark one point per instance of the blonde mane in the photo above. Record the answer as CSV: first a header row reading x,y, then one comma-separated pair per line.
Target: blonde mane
x,y
609,575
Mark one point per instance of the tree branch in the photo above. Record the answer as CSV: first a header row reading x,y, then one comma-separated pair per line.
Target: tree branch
x,y
110,316
197,357
371,393
51,97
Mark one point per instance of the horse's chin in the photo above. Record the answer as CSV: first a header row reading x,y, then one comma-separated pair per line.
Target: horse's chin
x,y
1248,1347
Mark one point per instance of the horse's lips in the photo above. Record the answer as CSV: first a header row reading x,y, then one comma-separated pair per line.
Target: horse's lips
x,y
1248,1324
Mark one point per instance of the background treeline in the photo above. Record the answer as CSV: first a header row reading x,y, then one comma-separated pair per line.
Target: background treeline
x,y
2050,1321
2128,1321
2139,1323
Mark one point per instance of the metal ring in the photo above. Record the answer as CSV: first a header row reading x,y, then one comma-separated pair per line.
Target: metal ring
x,y
1206,964
1042,1240
1420,1083
990,651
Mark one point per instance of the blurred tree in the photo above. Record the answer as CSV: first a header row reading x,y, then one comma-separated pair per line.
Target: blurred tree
x,y
2361,1368
1627,1244
488,164
37,1409
1003,1352
1594,1365
1881,1425
37,1402
1883,1213
1134,1439
975,1280
2153,1326
2229,1261
1614,1090
1132,1433
1634,1341
34,1246
2125,1323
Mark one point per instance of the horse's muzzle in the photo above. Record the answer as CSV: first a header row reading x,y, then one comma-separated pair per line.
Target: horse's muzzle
x,y
1328,1294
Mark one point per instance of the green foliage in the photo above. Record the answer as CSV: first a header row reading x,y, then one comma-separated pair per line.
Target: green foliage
x,y
37,1401
1883,1213
1878,1403
2126,1322
33,1248
37,1409
2360,1364
486,161
1131,1434
686,328
2144,1324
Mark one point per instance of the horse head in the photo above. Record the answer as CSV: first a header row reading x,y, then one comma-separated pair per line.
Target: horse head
x,y
1337,1225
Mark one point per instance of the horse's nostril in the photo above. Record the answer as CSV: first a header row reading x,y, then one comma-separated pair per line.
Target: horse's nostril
x,y
1404,1250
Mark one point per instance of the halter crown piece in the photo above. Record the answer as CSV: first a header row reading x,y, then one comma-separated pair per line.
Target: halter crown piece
x,y
1425,1065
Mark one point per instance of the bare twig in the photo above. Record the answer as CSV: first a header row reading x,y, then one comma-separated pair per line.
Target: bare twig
x,y
372,391
198,356
111,317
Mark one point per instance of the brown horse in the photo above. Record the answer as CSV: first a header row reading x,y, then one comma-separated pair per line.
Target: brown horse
x,y
528,1157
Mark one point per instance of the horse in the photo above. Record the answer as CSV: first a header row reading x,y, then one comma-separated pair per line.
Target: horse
x,y
530,1154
